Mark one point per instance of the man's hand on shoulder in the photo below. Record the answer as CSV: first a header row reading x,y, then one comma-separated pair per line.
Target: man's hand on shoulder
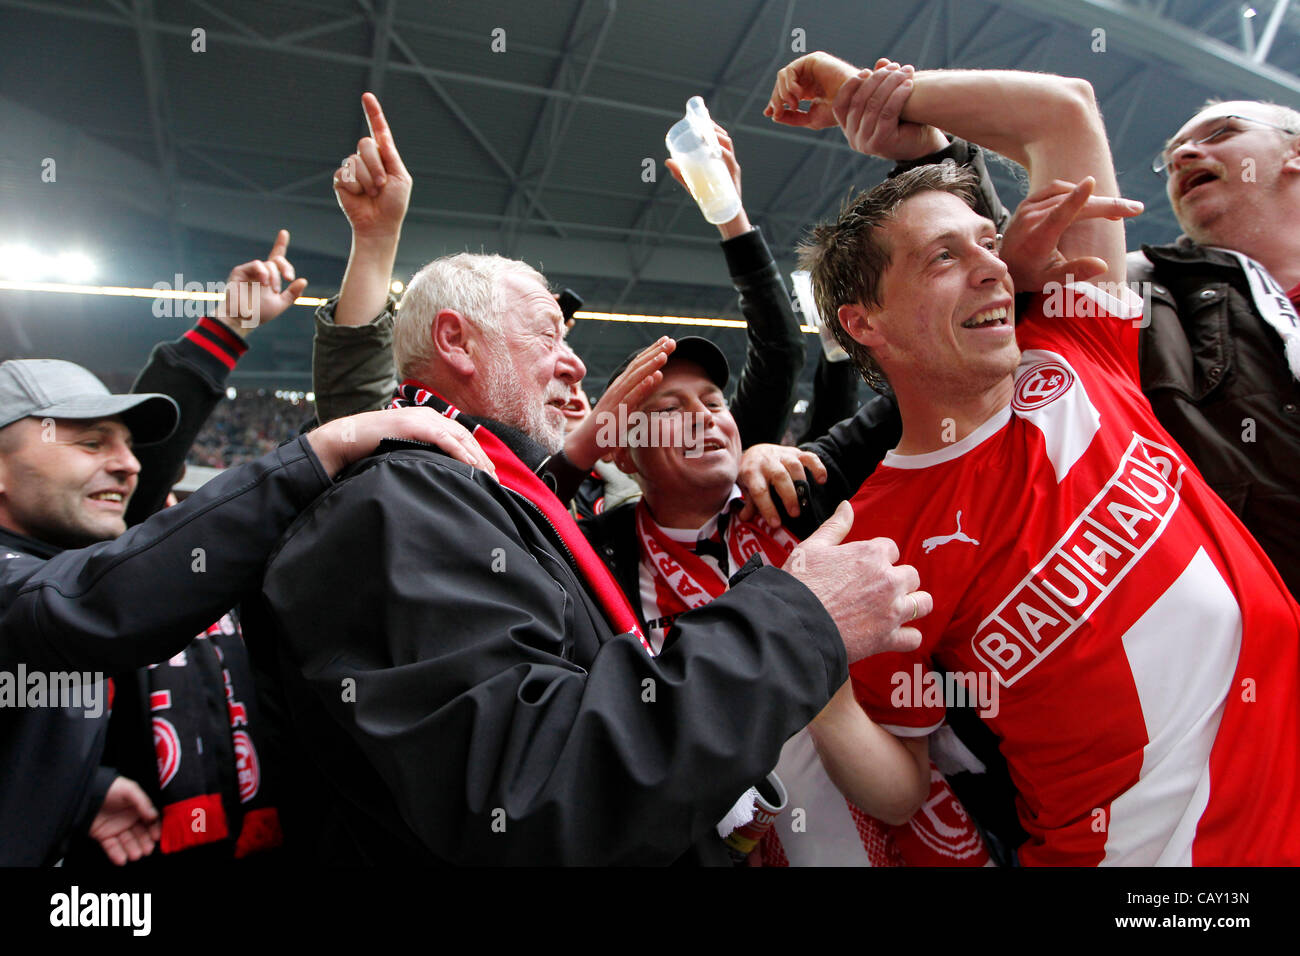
x,y
871,600
767,469
346,440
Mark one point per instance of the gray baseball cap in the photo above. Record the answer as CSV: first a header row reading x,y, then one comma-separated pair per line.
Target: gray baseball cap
x,y
50,388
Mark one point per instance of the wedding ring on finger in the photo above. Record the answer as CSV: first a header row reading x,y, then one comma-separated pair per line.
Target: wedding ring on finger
x,y
916,608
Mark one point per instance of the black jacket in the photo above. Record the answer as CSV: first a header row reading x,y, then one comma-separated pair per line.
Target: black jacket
x,y
458,696
850,451
1218,380
119,605
774,346
193,370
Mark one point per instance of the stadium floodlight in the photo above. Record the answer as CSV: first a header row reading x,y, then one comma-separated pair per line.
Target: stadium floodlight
x,y
21,262
74,267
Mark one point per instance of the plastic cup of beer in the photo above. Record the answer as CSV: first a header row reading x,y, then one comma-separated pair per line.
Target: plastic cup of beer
x,y
694,144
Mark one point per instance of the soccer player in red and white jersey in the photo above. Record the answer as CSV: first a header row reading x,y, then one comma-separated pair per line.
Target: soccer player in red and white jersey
x,y
1146,651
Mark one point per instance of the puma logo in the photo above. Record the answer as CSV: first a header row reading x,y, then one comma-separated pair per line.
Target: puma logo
x,y
929,544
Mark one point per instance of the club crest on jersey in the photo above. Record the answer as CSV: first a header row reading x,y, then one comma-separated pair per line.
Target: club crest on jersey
x,y
1041,385
942,826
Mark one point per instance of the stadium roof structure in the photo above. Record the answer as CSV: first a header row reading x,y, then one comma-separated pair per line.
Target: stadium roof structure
x,y
528,128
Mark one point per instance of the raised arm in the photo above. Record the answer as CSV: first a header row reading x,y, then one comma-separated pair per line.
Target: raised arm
x,y
352,362
1048,124
373,189
775,348
193,370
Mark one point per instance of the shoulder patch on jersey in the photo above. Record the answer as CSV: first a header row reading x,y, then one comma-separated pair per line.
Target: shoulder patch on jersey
x,y
1041,385
1051,395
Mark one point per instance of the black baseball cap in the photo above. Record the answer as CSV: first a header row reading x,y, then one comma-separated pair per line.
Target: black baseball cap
x,y
693,348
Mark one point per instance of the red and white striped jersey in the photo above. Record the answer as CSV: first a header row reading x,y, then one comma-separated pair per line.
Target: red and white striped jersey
x,y
1146,653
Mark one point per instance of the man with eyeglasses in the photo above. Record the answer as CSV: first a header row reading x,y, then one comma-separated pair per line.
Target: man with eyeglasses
x,y
1220,348
1129,621
1220,360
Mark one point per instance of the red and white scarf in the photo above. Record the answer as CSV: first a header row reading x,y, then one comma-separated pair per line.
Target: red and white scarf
x,y
684,580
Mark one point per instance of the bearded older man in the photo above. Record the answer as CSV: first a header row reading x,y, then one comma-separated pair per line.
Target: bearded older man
x,y
482,691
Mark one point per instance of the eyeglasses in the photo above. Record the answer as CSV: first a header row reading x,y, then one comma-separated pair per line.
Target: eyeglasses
x,y
1160,165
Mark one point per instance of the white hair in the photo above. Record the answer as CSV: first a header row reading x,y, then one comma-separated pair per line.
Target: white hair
x,y
467,283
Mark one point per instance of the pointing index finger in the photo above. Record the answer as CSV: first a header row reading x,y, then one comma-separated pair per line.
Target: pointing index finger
x,y
381,132
375,117
281,244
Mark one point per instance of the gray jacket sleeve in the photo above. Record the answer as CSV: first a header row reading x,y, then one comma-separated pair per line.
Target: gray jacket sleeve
x,y
352,366
775,347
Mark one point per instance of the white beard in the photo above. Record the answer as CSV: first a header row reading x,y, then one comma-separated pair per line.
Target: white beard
x,y
509,405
